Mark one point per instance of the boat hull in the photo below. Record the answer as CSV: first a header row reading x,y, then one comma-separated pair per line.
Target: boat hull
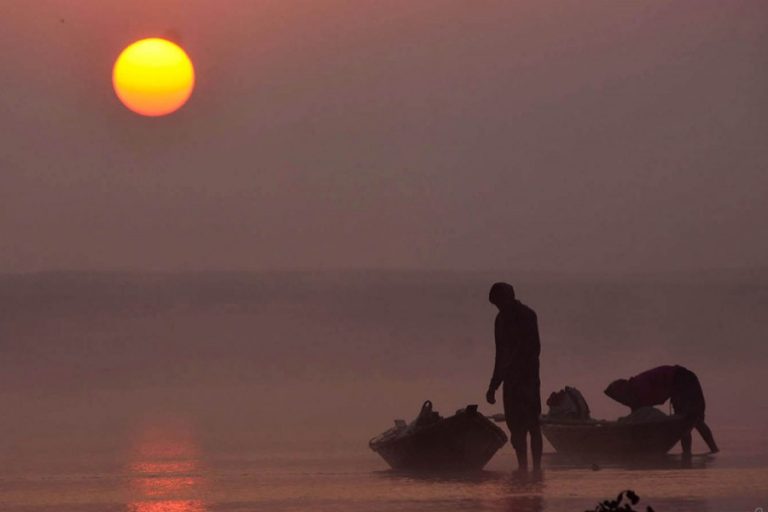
x,y
615,438
465,441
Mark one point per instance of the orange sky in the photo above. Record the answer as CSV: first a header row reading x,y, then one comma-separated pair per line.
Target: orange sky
x,y
573,136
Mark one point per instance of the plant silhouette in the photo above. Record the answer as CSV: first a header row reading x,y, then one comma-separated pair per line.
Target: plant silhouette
x,y
623,503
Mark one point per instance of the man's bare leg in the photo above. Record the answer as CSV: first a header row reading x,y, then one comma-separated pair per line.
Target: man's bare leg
x,y
517,437
536,447
686,442
706,434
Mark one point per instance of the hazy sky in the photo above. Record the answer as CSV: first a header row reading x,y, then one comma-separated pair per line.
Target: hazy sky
x,y
547,135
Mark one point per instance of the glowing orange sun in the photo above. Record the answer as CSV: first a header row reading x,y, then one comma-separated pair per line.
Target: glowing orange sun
x,y
153,77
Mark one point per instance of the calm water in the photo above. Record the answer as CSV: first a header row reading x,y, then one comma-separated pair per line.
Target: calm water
x,y
361,483
232,392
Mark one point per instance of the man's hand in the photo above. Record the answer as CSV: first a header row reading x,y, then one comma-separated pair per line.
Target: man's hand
x,y
490,396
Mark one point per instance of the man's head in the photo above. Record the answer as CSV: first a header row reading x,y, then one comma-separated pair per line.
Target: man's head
x,y
501,294
620,391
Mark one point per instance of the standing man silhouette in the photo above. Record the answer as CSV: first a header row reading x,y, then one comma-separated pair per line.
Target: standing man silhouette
x,y
517,367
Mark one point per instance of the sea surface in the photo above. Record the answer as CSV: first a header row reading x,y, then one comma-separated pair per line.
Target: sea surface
x,y
246,392
360,482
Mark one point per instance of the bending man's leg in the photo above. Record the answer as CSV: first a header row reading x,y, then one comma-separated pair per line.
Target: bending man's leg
x,y
706,434
686,442
688,400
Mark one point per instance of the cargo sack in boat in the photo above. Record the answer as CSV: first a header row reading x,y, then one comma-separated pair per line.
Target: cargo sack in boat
x,y
568,403
426,417
644,415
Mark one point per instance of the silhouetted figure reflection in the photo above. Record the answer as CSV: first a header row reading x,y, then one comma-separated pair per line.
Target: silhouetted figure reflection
x,y
655,386
517,367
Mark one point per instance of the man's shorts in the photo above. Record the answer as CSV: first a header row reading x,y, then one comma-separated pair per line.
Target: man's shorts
x,y
522,405
687,395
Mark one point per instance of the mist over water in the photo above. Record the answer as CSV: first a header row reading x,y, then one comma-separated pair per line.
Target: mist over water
x,y
103,371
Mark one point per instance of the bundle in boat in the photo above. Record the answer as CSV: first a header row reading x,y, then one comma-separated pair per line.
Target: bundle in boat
x,y
465,441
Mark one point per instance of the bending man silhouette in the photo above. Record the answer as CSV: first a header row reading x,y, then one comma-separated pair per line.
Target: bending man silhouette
x,y
655,386
517,367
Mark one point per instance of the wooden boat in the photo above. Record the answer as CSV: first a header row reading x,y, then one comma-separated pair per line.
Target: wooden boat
x,y
615,438
464,441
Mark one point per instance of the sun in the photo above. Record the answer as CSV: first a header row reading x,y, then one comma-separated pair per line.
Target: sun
x,y
153,77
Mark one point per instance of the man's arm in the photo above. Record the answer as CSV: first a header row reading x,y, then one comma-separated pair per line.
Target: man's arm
x,y
501,360
533,334
498,336
498,376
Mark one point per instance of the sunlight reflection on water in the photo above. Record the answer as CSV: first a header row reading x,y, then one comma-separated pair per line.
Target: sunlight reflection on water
x,y
166,474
